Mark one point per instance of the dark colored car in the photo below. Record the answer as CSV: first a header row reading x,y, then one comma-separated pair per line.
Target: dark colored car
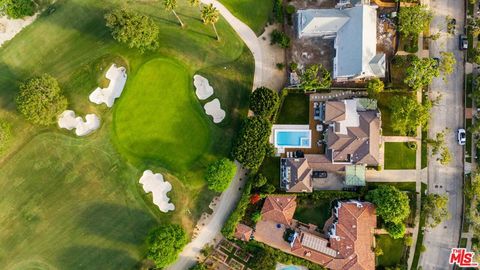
x,y
463,42
319,174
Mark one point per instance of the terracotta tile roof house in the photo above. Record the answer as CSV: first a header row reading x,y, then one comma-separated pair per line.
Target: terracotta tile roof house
x,y
243,232
279,208
295,175
346,244
354,133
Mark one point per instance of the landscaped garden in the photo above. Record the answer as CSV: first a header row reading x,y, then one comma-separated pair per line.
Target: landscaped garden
x,y
400,155
294,110
75,202
315,213
393,251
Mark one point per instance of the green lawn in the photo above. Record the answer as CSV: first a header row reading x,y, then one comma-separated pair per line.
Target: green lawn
x,y
392,251
468,144
399,156
271,170
424,150
468,99
316,213
70,203
421,233
254,13
294,110
384,101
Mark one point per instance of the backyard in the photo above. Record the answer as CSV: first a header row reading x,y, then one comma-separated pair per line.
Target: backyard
x,y
384,101
71,203
271,170
315,213
399,156
294,110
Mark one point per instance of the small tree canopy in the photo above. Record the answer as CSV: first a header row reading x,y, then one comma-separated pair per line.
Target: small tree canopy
x,y
407,114
412,20
421,72
252,142
17,9
435,209
259,180
396,230
264,101
133,29
219,174
315,77
374,87
447,63
165,243
392,204
40,100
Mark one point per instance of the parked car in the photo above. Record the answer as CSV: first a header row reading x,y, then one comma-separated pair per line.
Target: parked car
x,y
463,42
461,136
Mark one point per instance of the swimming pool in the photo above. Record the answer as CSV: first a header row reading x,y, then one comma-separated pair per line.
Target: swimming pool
x,y
291,267
293,138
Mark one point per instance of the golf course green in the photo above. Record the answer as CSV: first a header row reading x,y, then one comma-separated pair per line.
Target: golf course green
x,y
159,103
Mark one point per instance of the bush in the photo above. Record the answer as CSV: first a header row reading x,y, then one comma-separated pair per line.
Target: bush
x,y
5,134
396,230
219,174
278,11
293,67
252,142
133,29
17,9
280,66
165,243
40,100
259,180
408,241
392,204
264,102
280,38
374,87
412,145
411,44
228,229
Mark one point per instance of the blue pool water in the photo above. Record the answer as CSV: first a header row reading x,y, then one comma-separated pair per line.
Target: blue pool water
x,y
291,267
293,138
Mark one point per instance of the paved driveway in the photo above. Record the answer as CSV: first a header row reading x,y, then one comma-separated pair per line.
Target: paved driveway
x,y
449,113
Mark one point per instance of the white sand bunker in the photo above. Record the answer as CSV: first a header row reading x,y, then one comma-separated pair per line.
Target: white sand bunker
x,y
117,77
69,121
203,88
213,109
10,27
154,183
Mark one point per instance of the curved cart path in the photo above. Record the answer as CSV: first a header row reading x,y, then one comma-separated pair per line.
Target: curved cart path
x,y
230,197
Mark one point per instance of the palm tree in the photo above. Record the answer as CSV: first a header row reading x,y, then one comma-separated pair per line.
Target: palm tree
x,y
170,5
194,3
210,15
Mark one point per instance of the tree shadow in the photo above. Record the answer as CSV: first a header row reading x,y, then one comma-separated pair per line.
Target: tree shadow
x,y
116,222
8,87
92,257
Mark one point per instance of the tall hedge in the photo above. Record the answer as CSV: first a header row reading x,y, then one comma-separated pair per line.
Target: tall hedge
x,y
228,229
264,101
165,243
252,142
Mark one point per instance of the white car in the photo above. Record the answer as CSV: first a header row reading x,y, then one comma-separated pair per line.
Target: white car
x,y
461,136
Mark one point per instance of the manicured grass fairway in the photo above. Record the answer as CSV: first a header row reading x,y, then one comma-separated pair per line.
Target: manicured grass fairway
x,y
70,203
295,109
159,104
392,250
399,156
254,13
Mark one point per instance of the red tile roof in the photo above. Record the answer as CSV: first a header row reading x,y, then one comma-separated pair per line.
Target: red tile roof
x,y
243,232
279,208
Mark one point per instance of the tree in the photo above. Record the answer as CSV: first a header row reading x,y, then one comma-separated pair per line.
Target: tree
x,y
408,240
421,72
473,26
447,63
198,266
268,188
315,77
445,156
435,209
165,243
374,87
17,9
219,174
264,259
40,100
5,134
210,15
133,29
396,230
392,204
438,142
264,102
280,38
407,114
194,3
256,217
412,20
252,142
474,55
171,5
259,180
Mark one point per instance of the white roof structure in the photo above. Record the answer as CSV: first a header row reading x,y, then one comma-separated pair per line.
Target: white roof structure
x,y
154,183
352,119
355,32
